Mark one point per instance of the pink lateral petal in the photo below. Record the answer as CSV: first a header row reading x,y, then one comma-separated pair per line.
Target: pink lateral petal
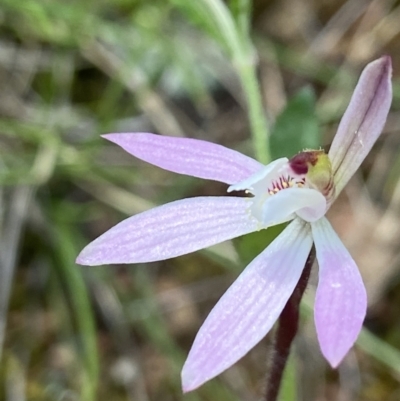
x,y
250,307
341,300
171,230
363,121
188,156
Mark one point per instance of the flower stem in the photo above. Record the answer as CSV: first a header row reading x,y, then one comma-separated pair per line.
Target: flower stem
x,y
237,37
288,324
258,121
230,25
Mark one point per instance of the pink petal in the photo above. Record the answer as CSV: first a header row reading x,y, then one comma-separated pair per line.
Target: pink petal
x,y
250,307
188,156
341,300
171,230
363,121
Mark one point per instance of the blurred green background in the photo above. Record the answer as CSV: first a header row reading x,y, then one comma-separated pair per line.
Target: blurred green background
x,y
228,72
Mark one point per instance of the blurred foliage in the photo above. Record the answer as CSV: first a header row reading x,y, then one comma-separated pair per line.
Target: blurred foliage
x,y
251,245
70,71
296,128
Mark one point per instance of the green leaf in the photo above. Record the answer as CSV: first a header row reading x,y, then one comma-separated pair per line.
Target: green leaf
x,y
288,390
251,245
296,128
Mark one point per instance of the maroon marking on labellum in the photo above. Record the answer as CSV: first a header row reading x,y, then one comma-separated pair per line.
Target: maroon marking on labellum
x,y
302,160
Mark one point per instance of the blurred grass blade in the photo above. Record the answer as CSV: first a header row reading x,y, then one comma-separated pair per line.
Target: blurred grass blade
x,y
155,329
241,12
66,249
380,350
10,237
15,380
214,18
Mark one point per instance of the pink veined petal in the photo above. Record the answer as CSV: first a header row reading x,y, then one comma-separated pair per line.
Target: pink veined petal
x,y
341,300
171,230
250,307
188,156
363,121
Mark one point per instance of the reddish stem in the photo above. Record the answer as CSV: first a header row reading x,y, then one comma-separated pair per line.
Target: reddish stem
x,y
288,324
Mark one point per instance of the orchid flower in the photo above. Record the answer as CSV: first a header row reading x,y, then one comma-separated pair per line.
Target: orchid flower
x,y
300,189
